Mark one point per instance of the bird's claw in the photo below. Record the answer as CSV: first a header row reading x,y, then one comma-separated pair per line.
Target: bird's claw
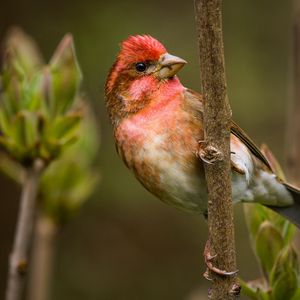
x,y
206,275
208,258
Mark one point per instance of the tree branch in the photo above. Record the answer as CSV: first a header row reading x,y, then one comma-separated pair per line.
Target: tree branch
x,y
217,120
19,256
293,128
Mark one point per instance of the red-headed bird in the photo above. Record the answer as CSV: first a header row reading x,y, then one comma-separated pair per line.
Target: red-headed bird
x,y
158,124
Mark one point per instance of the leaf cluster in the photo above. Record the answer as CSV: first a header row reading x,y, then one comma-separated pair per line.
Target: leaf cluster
x,y
271,238
38,116
43,117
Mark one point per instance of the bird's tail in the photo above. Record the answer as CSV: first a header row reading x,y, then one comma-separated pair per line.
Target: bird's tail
x,y
292,213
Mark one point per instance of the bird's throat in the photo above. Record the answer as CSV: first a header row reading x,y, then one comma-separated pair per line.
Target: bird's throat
x,y
152,91
141,95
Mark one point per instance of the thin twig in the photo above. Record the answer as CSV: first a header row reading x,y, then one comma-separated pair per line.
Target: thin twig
x,y
19,256
217,119
46,233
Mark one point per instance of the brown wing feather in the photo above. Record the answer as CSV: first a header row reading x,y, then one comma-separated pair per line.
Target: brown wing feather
x,y
239,133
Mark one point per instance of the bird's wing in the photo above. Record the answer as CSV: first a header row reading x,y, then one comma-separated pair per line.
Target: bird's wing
x,y
239,133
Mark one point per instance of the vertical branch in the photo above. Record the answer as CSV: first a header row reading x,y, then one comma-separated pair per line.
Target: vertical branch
x,y
43,255
293,129
216,148
19,256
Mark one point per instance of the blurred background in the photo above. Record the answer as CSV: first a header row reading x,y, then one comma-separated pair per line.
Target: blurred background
x,y
125,244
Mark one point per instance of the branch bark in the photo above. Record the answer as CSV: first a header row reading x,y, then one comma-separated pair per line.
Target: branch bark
x,y
217,120
22,242
293,128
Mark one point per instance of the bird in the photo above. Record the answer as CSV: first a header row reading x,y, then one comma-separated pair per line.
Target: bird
x,y
158,128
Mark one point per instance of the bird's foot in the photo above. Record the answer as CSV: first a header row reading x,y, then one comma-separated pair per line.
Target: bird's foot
x,y
208,258
208,153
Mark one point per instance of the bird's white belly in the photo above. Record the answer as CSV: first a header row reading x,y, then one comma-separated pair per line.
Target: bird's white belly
x,y
183,186
178,179
182,182
167,165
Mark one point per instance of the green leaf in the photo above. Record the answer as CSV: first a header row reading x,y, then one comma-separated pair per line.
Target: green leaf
x,y
22,141
285,286
88,137
286,260
11,168
66,76
248,289
12,95
296,295
19,132
288,232
64,127
50,149
31,130
269,242
68,182
65,186
24,51
263,295
4,123
33,94
255,215
257,289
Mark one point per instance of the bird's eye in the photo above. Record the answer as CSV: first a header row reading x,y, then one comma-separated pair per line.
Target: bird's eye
x,y
141,66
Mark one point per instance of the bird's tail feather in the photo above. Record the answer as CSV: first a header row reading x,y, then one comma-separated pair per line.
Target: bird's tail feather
x,y
292,213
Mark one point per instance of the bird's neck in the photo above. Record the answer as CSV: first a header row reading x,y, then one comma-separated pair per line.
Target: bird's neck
x,y
140,95
153,89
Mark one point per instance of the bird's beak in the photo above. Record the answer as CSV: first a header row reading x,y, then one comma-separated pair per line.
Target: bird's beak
x,y
169,65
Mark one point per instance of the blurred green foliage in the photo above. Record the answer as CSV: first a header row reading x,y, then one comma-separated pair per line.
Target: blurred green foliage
x,y
37,116
69,181
43,117
271,238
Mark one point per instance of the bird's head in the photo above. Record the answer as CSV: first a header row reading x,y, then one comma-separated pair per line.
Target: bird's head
x,y
142,66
